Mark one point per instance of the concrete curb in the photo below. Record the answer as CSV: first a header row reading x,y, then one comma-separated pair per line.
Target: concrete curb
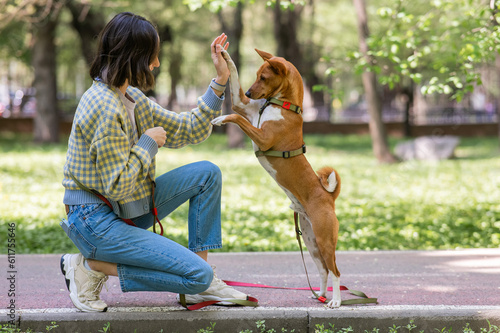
x,y
301,320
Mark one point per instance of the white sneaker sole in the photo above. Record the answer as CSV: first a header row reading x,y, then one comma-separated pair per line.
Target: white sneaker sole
x,y
69,275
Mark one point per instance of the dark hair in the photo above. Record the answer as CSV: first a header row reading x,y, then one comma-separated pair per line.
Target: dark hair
x,y
128,45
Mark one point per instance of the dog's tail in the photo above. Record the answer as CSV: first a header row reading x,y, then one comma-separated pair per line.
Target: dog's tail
x,y
330,180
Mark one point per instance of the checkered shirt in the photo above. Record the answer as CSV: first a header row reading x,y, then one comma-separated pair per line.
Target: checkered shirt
x,y
107,155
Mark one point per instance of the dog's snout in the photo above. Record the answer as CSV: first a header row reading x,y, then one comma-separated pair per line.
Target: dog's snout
x,y
247,94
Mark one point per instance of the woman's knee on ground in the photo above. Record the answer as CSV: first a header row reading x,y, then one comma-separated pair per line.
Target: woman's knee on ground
x,y
199,279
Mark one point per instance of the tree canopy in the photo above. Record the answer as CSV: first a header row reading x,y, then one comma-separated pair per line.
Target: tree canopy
x,y
440,47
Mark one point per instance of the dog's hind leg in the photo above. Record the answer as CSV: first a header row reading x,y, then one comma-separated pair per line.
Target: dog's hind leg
x,y
312,247
325,226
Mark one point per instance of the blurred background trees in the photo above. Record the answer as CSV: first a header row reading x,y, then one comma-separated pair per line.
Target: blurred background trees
x,y
373,61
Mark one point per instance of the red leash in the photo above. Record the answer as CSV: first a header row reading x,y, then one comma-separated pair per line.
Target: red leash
x,y
364,299
256,285
250,301
154,211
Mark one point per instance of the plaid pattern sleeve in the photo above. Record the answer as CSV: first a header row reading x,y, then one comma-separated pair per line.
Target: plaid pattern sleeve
x,y
183,128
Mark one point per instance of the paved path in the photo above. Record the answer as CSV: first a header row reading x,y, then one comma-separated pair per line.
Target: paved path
x,y
431,287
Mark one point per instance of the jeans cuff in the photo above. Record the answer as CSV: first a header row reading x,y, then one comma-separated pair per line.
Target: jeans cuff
x,y
206,248
119,268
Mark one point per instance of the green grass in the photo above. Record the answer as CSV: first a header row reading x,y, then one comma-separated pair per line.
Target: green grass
x,y
319,328
411,205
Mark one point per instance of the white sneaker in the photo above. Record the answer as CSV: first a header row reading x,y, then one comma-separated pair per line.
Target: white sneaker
x,y
218,291
84,285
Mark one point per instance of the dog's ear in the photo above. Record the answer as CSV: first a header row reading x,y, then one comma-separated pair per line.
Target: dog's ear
x,y
278,67
264,55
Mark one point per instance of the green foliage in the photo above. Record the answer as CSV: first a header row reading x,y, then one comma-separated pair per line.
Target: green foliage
x,y
320,328
213,5
14,42
261,327
209,329
411,205
217,5
106,328
441,46
52,326
12,329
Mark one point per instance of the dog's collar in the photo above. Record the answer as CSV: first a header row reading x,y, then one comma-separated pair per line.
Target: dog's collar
x,y
283,104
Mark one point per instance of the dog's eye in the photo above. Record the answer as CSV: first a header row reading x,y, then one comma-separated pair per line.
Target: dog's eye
x,y
262,78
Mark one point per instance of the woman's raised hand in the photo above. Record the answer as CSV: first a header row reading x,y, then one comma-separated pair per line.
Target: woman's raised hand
x,y
220,64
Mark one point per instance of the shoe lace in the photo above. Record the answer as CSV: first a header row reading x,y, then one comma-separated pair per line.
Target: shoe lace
x,y
217,281
95,285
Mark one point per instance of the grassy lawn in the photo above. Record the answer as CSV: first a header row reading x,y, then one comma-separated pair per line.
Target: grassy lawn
x,y
411,205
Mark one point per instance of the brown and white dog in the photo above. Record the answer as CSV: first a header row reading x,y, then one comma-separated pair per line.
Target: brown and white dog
x,y
269,113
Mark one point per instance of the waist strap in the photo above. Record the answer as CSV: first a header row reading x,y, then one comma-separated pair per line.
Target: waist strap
x,y
283,154
106,201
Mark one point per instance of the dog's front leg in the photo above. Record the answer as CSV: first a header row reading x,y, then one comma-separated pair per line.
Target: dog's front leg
x,y
263,137
247,111
336,300
240,101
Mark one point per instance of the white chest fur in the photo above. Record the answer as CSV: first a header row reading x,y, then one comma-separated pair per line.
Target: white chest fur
x,y
271,113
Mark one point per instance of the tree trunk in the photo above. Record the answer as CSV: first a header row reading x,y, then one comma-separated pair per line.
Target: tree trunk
x,y
175,72
497,65
408,92
165,34
285,33
46,122
494,11
372,93
88,22
234,31
304,56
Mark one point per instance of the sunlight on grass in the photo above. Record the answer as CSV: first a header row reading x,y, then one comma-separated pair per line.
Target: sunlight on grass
x,y
411,205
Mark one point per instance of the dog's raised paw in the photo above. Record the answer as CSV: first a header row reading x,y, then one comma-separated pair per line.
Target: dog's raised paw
x,y
225,55
218,121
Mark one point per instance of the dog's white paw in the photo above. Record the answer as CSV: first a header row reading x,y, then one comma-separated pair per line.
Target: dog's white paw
x,y
225,55
218,121
230,63
333,304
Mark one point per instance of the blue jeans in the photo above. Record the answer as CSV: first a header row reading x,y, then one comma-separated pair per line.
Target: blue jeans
x,y
147,261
